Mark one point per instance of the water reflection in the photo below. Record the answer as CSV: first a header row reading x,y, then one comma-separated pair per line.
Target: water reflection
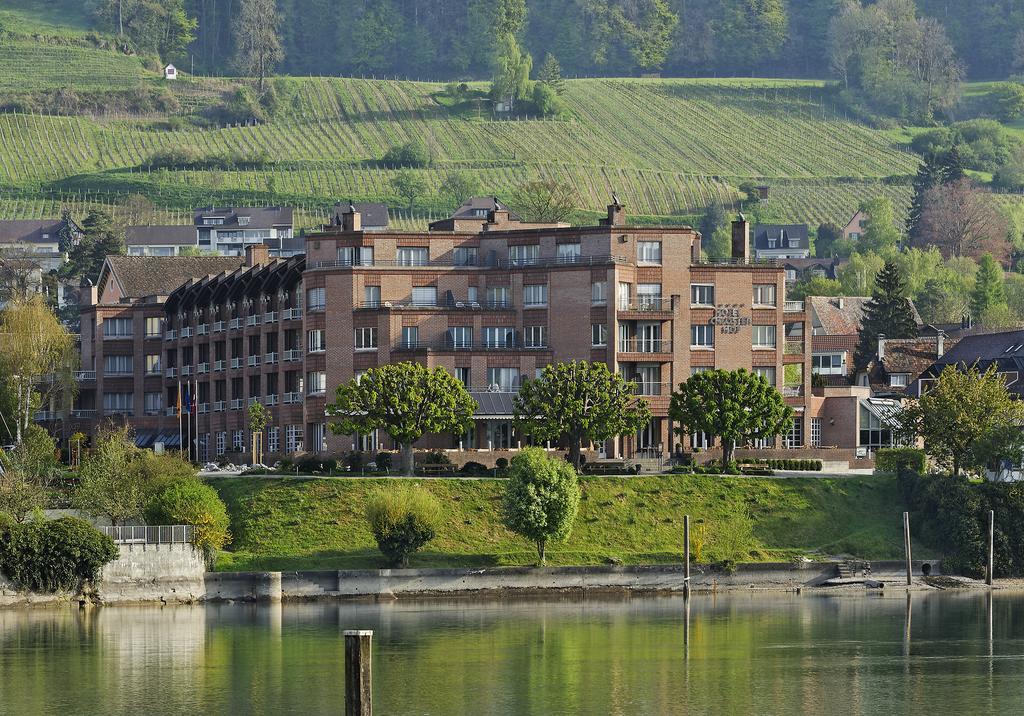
x,y
744,653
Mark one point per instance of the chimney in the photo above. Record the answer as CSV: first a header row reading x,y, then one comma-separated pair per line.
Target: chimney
x,y
881,346
940,344
351,220
616,213
257,255
496,218
741,240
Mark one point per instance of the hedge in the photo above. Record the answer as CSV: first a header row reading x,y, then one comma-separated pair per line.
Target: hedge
x,y
895,460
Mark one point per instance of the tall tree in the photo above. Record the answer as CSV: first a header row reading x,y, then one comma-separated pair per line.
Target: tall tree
x,y
880,231
828,234
111,484
753,31
409,185
512,70
550,73
101,237
737,406
988,287
929,175
545,201
962,220
162,27
888,313
257,39
456,187
578,402
405,400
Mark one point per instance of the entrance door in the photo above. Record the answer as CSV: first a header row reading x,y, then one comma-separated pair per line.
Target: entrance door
x,y
647,439
499,435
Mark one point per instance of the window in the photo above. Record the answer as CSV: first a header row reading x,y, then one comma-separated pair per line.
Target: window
x,y
505,378
497,296
764,336
366,339
702,294
625,293
424,296
460,337
410,336
254,386
222,443
371,296
472,293
648,296
117,327
648,252
899,380
535,336
153,403
118,403
828,364
702,336
316,382
499,337
413,256
599,292
568,253
873,433
598,334
764,294
315,342
293,438
699,369
117,365
523,255
648,379
794,438
767,371
815,432
462,375
154,327
316,299
318,436
355,255
535,295
464,256
273,440
153,364
244,220
238,440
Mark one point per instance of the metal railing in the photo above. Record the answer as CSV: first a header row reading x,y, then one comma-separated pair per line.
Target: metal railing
x,y
203,329
236,404
253,361
793,307
253,320
652,389
187,332
203,368
218,365
236,363
270,358
235,323
252,399
739,262
171,372
85,376
218,326
270,317
204,408
43,416
598,260
170,335
293,355
271,399
453,306
218,406
186,370
792,391
449,345
645,345
291,398
149,534
292,314
642,304
83,413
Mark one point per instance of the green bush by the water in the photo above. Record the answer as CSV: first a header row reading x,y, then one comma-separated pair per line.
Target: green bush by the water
x,y
403,519
191,502
895,460
52,556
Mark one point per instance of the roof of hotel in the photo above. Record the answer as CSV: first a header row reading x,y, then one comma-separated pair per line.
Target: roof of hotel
x,y
141,276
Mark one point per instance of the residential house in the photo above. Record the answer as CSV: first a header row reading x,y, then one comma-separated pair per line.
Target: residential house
x,y
159,240
373,217
485,213
781,241
855,226
31,248
225,231
803,269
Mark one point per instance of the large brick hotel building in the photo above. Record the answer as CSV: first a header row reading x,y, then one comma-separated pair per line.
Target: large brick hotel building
x,y
492,303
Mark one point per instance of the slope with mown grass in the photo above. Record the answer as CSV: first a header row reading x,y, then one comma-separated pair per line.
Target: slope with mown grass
x,y
319,523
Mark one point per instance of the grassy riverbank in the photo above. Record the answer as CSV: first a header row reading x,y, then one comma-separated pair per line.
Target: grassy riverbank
x,y
318,524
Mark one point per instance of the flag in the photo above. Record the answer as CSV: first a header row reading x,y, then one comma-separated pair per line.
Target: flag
x,y
195,398
188,399
179,398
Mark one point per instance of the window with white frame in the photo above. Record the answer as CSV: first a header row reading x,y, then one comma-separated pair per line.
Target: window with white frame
x,y
702,294
598,334
497,296
535,336
371,296
318,436
599,292
794,437
315,340
505,378
499,336
153,403
355,255
410,336
815,432
117,365
464,256
153,364
424,295
472,293
366,339
569,253
625,294
898,380
697,369
702,336
767,372
873,432
764,294
117,327
413,256
118,403
316,299
460,337
648,252
154,327
648,296
764,336
316,382
828,364
273,440
462,374
524,255
238,441
535,294
222,443
293,438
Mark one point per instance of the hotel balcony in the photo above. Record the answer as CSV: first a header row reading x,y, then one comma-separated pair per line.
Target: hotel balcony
x,y
270,317
218,326
219,365
253,320
292,314
253,361
171,372
170,335
187,332
452,306
236,363
645,346
203,368
270,359
236,404
449,345
646,307
793,307
293,355
292,398
271,399
85,376
235,323
203,329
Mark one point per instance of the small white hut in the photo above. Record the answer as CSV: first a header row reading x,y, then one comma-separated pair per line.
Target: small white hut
x,y
170,72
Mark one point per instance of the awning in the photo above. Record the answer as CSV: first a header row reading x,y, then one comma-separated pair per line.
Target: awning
x,y
493,406
169,439
144,439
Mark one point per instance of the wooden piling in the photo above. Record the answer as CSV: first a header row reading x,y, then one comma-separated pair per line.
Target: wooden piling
x,y
686,555
358,673
989,571
906,542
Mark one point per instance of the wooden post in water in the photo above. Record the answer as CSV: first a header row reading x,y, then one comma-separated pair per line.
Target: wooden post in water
x,y
906,542
358,673
686,555
991,547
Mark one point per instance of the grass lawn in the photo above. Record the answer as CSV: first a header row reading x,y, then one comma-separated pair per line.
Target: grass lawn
x,y
297,524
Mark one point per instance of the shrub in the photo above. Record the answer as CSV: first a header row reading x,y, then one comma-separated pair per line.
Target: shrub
x,y
354,461
20,495
436,457
402,520
897,460
35,456
501,464
191,502
541,498
384,461
474,468
53,556
176,157
159,471
546,101
413,154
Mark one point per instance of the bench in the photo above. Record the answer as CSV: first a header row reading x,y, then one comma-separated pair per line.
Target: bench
x,y
435,469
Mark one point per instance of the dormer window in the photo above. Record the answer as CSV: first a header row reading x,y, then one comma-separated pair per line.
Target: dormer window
x,y
771,243
793,243
480,212
243,220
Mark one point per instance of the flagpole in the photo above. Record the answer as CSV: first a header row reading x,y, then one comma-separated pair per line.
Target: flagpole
x,y
181,432
197,418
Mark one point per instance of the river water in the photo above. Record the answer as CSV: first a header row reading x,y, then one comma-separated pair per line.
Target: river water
x,y
936,653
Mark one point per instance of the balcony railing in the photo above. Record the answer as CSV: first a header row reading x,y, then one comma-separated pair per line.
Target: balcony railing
x,y
236,363
218,406
204,408
793,347
253,320
252,399
187,332
203,368
171,412
203,329
292,314
643,304
236,404
482,262
645,345
270,317
235,323
292,398
146,534
271,399
453,306
219,365
218,326
739,262
652,389
270,358
253,361
43,416
83,414
171,372
170,335
186,370
85,376
793,307
293,355
792,391
448,345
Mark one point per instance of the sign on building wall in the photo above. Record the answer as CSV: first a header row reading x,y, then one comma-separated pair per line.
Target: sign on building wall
x,y
728,319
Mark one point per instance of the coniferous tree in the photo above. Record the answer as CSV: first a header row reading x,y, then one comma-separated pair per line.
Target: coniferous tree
x,y
101,238
988,287
888,313
929,175
952,166
551,74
